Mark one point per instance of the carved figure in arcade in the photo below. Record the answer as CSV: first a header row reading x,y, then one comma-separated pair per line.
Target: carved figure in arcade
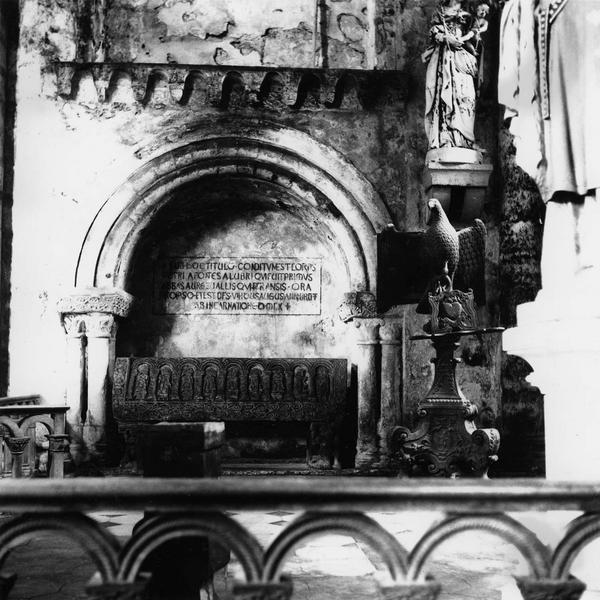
x,y
255,384
453,74
277,385
301,383
232,386
187,383
140,382
164,383
209,384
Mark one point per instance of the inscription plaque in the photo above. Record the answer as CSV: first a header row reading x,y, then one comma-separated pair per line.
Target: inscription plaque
x,y
227,285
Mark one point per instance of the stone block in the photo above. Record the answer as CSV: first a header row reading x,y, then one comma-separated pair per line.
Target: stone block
x,y
181,449
459,186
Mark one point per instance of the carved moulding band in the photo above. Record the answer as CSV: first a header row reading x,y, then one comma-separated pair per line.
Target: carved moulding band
x,y
96,300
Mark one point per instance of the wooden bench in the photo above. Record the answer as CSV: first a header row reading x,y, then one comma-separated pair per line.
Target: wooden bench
x,y
311,390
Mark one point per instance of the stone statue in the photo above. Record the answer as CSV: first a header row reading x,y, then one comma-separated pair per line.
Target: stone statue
x,y
551,91
453,74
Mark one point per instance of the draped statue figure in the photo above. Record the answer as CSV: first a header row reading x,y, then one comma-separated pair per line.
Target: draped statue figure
x,y
453,74
549,81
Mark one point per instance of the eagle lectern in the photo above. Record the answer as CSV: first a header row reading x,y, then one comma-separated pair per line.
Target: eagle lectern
x,y
446,442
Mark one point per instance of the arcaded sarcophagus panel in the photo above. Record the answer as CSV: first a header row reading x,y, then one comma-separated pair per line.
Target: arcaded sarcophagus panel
x,y
228,389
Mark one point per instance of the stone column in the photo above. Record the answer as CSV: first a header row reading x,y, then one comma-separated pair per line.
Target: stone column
x,y
100,331
390,334
17,446
89,317
367,445
74,325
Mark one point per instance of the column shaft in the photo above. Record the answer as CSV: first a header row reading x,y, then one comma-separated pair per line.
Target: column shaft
x,y
368,392
75,390
391,385
100,332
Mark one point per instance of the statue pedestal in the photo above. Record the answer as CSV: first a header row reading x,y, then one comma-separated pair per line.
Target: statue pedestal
x,y
458,178
446,442
559,335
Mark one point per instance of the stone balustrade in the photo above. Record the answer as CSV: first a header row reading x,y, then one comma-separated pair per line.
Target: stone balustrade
x,y
195,87
196,507
18,423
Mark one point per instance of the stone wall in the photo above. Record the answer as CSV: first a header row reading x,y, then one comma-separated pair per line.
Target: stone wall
x,y
8,46
520,279
78,141
307,33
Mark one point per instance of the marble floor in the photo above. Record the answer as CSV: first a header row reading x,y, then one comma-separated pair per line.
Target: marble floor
x,y
472,565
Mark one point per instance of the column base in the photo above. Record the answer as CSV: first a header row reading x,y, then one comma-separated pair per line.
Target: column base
x,y
366,460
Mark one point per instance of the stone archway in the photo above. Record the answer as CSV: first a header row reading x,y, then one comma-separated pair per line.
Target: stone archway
x,y
319,182
285,156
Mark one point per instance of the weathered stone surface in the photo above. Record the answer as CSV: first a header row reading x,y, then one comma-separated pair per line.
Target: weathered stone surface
x,y
97,145
522,450
352,28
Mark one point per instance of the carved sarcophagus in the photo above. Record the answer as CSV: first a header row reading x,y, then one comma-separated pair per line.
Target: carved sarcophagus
x,y
228,389
311,390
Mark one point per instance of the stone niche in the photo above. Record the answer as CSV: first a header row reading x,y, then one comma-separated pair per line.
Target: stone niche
x,y
208,277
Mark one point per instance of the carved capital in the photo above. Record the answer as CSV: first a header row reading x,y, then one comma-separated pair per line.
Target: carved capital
x,y
100,325
357,305
550,589
58,442
16,445
411,590
390,331
272,590
74,325
96,300
367,330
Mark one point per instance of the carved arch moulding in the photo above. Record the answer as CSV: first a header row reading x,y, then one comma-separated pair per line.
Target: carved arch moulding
x,y
317,177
